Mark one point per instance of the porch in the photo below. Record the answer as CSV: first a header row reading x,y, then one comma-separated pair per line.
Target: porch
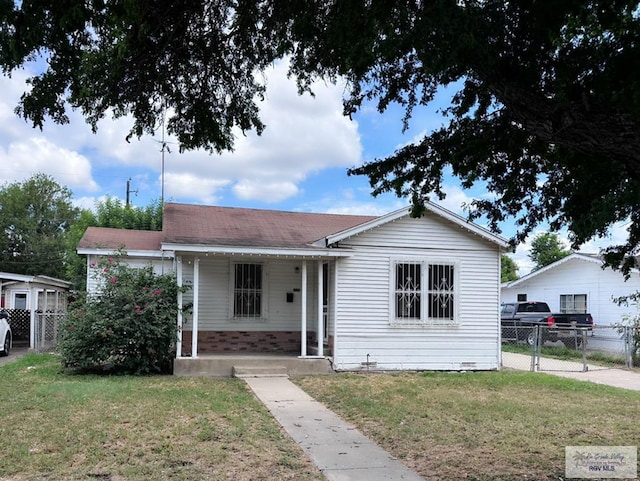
x,y
250,365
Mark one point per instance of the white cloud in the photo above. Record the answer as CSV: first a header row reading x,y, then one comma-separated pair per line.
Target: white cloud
x,y
191,186
304,135
37,154
269,192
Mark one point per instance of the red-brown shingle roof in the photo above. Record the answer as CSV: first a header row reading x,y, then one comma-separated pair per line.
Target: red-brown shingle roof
x,y
114,239
224,226
211,225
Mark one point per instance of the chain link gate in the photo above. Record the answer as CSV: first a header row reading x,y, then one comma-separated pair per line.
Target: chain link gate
x,y
46,331
607,342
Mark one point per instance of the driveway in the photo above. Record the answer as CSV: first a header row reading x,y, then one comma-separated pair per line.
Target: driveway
x,y
14,354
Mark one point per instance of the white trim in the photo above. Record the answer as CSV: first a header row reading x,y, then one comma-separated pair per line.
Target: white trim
x,y
320,313
196,299
44,280
425,320
180,305
575,255
132,253
303,311
310,253
405,212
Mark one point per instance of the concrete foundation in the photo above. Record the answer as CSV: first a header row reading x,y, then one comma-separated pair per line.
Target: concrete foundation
x,y
222,365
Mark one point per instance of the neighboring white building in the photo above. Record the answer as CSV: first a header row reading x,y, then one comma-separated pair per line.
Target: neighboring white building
x,y
394,292
577,283
29,298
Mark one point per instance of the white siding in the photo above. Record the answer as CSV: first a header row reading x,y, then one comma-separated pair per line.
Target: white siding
x,y
364,308
281,276
577,276
159,266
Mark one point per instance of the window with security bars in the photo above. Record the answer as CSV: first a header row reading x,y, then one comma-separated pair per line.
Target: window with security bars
x,y
424,292
441,292
573,303
408,291
247,292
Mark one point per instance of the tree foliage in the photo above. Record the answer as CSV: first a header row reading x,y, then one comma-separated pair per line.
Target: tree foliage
x,y
546,248
35,216
128,327
110,212
546,115
508,269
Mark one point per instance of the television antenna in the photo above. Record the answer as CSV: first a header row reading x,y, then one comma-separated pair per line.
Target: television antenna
x,y
164,147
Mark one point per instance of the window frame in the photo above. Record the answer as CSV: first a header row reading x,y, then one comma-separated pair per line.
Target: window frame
x,y
572,298
425,268
263,293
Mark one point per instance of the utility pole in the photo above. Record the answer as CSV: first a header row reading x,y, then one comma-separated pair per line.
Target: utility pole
x,y
129,191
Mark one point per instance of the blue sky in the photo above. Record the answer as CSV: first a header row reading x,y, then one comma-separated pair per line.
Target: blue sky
x,y
299,163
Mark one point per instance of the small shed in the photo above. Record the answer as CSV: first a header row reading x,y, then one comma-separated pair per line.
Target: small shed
x,y
36,304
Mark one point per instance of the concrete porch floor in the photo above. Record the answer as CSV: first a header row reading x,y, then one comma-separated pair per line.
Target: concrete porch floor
x,y
226,365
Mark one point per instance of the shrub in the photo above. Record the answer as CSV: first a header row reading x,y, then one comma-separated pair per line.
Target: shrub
x,y
128,327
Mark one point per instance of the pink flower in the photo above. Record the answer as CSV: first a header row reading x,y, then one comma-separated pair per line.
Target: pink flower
x,y
92,265
113,280
138,309
110,260
157,292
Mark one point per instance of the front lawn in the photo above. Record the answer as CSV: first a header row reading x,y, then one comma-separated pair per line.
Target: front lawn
x,y
485,426
59,427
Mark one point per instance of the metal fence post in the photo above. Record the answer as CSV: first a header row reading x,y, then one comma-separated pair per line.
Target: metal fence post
x,y
583,334
628,346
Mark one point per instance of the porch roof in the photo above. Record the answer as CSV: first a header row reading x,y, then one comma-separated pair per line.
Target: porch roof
x,y
7,278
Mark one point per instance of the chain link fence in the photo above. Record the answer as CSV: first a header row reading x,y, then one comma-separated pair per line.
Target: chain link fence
x,y
554,348
46,332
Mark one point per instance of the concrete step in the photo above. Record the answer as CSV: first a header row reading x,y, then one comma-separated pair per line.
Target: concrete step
x,y
260,371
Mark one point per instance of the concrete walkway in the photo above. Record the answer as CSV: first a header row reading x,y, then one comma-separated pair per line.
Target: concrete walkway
x,y
623,378
339,450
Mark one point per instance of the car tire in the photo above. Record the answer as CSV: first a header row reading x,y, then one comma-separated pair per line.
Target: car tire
x,y
7,345
531,338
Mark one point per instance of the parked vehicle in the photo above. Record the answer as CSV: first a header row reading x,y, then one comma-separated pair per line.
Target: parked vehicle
x,y
5,334
519,319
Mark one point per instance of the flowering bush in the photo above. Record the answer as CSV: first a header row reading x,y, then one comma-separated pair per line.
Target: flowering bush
x,y
128,327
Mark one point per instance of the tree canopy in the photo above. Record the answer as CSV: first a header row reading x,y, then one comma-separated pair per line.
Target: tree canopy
x,y
546,115
546,248
35,216
508,269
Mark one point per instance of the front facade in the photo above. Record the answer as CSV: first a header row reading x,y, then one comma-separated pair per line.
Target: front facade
x,y
390,292
577,283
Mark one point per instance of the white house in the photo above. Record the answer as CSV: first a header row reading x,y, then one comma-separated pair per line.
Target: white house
x,y
394,292
577,283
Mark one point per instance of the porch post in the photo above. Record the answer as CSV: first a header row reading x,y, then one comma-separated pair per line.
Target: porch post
x,y
320,332
303,293
33,306
179,282
196,296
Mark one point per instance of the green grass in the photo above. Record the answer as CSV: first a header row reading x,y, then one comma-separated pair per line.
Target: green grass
x,y
62,427
485,426
564,353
